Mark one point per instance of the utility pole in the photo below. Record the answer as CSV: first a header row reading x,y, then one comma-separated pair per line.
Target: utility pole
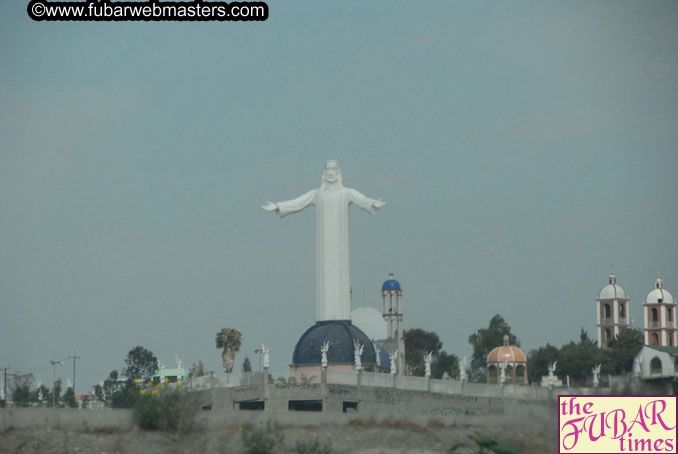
x,y
54,364
74,358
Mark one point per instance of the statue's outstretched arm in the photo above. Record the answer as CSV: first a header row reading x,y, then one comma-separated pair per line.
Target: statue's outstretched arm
x,y
366,203
270,206
292,206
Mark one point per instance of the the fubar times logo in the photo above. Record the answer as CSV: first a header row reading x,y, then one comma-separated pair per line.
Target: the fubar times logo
x,y
617,424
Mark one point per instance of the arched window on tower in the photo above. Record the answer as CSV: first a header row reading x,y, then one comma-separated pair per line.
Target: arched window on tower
x,y
655,339
608,335
655,317
655,366
606,310
622,313
669,314
669,339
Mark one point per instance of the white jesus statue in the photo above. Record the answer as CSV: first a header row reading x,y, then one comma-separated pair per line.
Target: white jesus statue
x,y
332,199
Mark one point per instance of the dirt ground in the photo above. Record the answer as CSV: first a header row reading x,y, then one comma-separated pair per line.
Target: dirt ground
x,y
358,436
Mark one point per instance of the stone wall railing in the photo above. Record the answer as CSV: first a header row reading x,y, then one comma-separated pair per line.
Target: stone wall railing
x,y
380,380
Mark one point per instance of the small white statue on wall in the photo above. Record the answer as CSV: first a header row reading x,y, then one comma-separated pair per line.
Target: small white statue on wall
x,y
596,375
427,364
357,354
323,351
267,356
394,357
462,370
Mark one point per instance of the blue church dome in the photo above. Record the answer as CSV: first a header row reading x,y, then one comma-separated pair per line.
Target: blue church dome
x,y
390,284
341,334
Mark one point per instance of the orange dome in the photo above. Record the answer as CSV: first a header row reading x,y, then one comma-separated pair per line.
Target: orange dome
x,y
509,353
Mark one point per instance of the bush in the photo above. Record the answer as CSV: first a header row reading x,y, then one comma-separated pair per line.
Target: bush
x,y
163,411
125,397
454,448
506,448
494,445
363,422
258,441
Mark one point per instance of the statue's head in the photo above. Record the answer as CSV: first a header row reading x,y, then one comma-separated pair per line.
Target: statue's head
x,y
332,173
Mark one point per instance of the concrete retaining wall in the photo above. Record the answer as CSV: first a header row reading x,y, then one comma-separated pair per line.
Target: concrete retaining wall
x,y
118,420
379,402
374,379
377,397
69,419
412,383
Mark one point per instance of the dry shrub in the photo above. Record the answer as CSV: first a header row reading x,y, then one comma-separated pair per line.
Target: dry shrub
x,y
435,424
389,423
363,422
400,424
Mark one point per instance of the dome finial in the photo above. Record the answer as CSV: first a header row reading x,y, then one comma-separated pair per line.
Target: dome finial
x,y
612,279
659,283
506,340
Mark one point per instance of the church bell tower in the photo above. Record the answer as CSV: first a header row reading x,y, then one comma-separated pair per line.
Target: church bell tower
x,y
612,312
659,312
392,310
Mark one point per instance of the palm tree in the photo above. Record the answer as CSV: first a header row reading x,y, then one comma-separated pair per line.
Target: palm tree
x,y
229,340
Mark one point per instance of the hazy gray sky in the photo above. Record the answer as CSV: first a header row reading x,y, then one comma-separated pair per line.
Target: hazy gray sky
x,y
521,147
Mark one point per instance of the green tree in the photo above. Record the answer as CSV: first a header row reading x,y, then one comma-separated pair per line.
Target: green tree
x,y
418,344
110,385
21,389
118,393
69,398
54,391
124,395
622,350
442,363
246,365
539,360
41,390
140,364
486,339
576,360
